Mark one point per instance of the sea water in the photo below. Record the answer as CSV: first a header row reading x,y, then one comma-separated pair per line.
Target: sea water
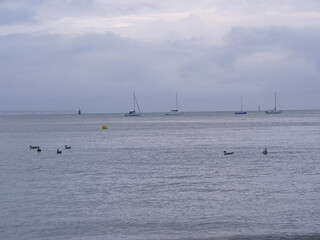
x,y
160,177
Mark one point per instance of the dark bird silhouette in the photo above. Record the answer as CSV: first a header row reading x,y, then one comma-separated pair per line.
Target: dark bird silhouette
x,y
58,151
67,147
38,149
33,147
227,153
265,151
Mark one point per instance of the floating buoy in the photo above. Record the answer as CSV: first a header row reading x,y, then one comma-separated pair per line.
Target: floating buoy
x,y
104,127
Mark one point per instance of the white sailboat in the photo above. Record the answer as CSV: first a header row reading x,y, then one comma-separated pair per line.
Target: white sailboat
x,y
134,113
274,111
241,111
175,111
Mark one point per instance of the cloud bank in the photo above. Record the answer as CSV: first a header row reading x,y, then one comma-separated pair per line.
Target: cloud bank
x,y
94,54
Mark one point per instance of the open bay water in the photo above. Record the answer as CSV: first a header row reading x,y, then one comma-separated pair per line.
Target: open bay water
x,y
160,177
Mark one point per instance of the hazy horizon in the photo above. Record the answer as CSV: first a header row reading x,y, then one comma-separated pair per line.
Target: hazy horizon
x,y
75,111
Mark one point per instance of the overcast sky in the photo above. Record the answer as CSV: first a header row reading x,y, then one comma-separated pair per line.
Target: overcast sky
x,y
93,54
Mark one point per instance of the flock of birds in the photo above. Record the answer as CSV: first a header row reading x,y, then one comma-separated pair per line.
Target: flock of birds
x,y
265,152
39,149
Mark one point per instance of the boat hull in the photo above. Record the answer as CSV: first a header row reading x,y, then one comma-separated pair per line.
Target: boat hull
x,y
240,113
174,113
132,114
273,111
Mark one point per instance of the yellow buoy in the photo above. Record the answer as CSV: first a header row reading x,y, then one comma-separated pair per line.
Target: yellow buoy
x,y
104,127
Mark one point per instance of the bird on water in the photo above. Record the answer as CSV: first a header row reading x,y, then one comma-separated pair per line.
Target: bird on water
x,y
227,153
265,151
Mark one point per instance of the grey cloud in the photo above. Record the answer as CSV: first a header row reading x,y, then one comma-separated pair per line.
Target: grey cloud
x,y
36,11
300,42
254,6
100,71
16,14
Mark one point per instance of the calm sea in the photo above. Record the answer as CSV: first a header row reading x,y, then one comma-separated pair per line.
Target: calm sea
x,y
160,177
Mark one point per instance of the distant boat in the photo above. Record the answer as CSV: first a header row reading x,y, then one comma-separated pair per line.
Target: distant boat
x,y
241,111
79,112
274,111
134,113
175,112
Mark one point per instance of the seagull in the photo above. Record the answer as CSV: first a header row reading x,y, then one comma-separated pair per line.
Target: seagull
x,y
38,149
58,151
227,153
265,152
67,147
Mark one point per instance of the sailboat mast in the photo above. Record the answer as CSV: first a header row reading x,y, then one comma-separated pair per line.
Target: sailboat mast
x,y
177,101
275,101
134,101
241,102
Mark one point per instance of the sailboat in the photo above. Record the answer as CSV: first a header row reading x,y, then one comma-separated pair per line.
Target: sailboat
x,y
241,111
274,111
133,113
175,111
